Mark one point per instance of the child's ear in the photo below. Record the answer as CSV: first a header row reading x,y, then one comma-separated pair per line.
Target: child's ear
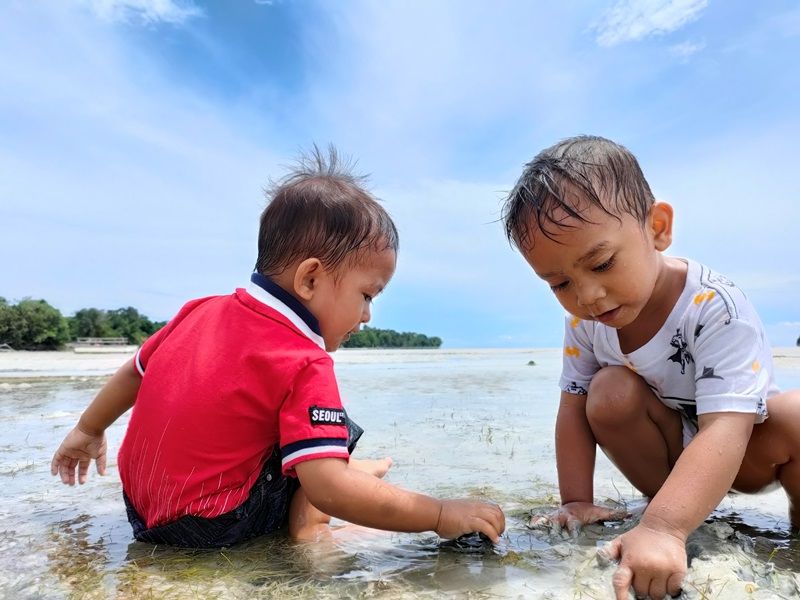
x,y
660,222
306,278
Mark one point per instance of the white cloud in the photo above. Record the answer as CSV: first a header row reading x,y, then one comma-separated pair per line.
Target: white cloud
x,y
415,84
174,12
687,49
631,20
124,187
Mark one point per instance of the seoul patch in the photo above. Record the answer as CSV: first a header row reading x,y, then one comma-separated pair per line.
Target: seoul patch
x,y
327,416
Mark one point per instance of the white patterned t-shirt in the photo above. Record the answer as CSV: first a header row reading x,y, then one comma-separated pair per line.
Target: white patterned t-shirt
x,y
710,355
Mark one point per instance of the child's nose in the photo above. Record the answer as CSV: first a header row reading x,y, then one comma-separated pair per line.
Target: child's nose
x,y
366,314
589,293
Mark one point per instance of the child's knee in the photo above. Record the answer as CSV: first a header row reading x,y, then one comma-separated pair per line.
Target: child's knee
x,y
785,405
615,396
783,423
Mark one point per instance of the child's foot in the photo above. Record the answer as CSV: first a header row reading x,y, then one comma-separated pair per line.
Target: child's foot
x,y
376,467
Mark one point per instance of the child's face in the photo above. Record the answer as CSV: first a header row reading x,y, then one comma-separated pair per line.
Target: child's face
x,y
604,269
342,302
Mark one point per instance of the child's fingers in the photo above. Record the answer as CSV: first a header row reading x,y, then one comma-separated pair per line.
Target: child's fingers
x,y
54,463
612,550
493,516
61,465
71,471
614,514
100,463
539,521
573,526
66,471
674,584
622,580
496,517
83,470
488,529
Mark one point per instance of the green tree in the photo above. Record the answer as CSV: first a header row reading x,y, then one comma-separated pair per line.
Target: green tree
x,y
120,322
12,326
90,322
370,337
32,325
129,323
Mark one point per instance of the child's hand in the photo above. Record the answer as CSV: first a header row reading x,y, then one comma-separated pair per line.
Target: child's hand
x,y
653,562
458,517
573,515
77,450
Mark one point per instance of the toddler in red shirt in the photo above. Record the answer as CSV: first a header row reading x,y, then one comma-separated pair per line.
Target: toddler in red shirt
x,y
237,426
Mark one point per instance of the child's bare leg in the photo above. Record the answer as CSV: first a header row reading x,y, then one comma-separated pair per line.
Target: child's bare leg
x,y
773,453
640,435
308,523
377,467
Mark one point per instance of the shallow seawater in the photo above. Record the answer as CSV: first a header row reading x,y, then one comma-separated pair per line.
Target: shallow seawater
x,y
457,423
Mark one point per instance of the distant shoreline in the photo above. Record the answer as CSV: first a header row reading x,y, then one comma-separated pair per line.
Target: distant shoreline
x,y
44,364
787,356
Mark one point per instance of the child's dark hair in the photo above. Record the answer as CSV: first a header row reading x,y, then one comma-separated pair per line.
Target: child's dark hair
x,y
559,180
321,210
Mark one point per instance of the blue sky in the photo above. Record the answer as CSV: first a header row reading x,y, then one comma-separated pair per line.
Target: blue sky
x,y
136,137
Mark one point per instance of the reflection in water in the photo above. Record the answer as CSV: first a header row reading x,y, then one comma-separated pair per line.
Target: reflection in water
x,y
456,423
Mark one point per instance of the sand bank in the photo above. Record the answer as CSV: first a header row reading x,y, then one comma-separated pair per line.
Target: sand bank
x,y
787,357
59,364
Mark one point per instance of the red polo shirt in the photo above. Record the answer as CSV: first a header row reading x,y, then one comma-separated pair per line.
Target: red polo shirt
x,y
223,383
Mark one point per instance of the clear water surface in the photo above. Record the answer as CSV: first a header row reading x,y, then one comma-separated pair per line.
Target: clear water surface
x,y
456,422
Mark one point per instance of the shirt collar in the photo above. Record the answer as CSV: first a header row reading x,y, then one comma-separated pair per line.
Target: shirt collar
x,y
263,289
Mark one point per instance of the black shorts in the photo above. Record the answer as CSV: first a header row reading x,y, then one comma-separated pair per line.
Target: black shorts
x,y
264,511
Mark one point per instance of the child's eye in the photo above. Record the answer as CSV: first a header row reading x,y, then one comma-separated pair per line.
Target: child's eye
x,y
605,266
560,287
368,298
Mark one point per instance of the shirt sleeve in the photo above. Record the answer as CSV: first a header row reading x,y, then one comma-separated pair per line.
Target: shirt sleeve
x,y
732,363
579,361
311,420
154,341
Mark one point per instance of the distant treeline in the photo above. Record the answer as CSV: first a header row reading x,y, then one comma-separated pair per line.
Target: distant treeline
x,y
35,325
388,338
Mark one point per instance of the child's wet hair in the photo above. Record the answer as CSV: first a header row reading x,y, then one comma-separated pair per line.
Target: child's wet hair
x,y
565,179
320,209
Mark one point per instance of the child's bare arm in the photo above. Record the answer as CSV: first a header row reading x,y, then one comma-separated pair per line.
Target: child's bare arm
x,y
338,490
87,439
575,456
653,555
575,450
